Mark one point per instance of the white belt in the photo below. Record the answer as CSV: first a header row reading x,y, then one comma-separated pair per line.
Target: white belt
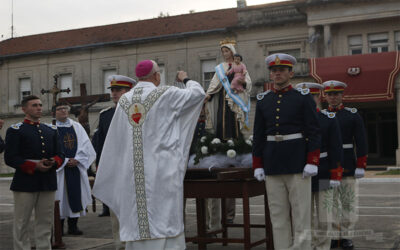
x,y
323,154
36,161
279,138
347,145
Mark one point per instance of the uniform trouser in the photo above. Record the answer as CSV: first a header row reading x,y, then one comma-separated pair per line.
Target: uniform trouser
x,y
345,203
24,204
289,200
213,212
321,222
115,231
230,208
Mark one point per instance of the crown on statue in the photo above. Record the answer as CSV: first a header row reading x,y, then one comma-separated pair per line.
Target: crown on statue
x,y
227,41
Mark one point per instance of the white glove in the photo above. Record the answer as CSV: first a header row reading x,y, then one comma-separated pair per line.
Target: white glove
x,y
359,173
310,170
334,183
259,174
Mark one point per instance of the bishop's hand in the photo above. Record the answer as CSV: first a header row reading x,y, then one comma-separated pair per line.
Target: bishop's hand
x,y
181,75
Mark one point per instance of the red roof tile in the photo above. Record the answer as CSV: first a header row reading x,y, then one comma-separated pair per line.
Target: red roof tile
x,y
157,27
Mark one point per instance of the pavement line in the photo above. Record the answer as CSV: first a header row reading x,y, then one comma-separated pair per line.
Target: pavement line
x,y
379,180
367,207
364,215
379,195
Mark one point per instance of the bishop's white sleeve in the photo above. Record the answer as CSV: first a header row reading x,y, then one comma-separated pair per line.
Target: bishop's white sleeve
x,y
186,99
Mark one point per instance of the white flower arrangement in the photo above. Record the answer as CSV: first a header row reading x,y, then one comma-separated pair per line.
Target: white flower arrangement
x,y
203,139
251,137
216,141
231,153
230,143
204,150
249,142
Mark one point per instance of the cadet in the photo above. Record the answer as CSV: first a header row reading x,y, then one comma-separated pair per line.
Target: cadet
x,y
329,171
354,161
119,85
33,149
286,148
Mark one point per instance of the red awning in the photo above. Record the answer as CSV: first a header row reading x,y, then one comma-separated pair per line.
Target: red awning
x,y
369,77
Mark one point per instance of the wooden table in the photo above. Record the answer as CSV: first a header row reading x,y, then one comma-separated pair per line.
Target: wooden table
x,y
232,183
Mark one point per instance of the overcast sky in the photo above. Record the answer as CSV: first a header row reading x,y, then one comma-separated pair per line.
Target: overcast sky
x,y
42,16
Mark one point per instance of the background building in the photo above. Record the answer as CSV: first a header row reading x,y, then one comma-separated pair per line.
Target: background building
x,y
335,32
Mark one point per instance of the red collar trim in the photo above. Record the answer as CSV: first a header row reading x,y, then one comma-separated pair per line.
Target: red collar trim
x,y
31,122
338,108
318,110
284,90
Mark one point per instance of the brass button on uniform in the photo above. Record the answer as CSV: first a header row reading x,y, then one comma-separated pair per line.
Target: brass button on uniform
x,y
43,151
40,131
280,96
41,137
278,109
42,143
277,117
278,102
277,125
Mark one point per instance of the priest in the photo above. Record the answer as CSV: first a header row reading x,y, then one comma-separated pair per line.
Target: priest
x,y
73,189
149,136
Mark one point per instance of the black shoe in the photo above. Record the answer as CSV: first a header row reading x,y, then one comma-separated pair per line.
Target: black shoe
x,y
104,213
334,244
73,227
347,244
75,232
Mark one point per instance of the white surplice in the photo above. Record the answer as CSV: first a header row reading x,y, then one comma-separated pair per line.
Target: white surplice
x,y
85,155
167,131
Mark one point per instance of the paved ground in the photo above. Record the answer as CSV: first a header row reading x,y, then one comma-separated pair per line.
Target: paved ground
x,y
379,219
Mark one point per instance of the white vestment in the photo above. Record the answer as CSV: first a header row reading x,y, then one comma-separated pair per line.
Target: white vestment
x,y
85,155
143,163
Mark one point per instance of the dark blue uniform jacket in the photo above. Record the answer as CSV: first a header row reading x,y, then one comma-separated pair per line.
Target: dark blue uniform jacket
x,y
281,113
28,141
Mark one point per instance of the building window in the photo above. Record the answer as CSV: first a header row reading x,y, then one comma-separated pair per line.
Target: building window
x,y
397,40
65,83
207,72
25,87
355,45
162,74
378,43
107,73
293,52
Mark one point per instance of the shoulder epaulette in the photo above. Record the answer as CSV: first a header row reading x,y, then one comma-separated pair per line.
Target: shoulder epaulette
x,y
51,126
104,110
16,126
260,96
352,110
303,91
328,114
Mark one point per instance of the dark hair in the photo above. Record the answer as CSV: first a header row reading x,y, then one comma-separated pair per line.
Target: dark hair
x,y
28,98
58,104
238,55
